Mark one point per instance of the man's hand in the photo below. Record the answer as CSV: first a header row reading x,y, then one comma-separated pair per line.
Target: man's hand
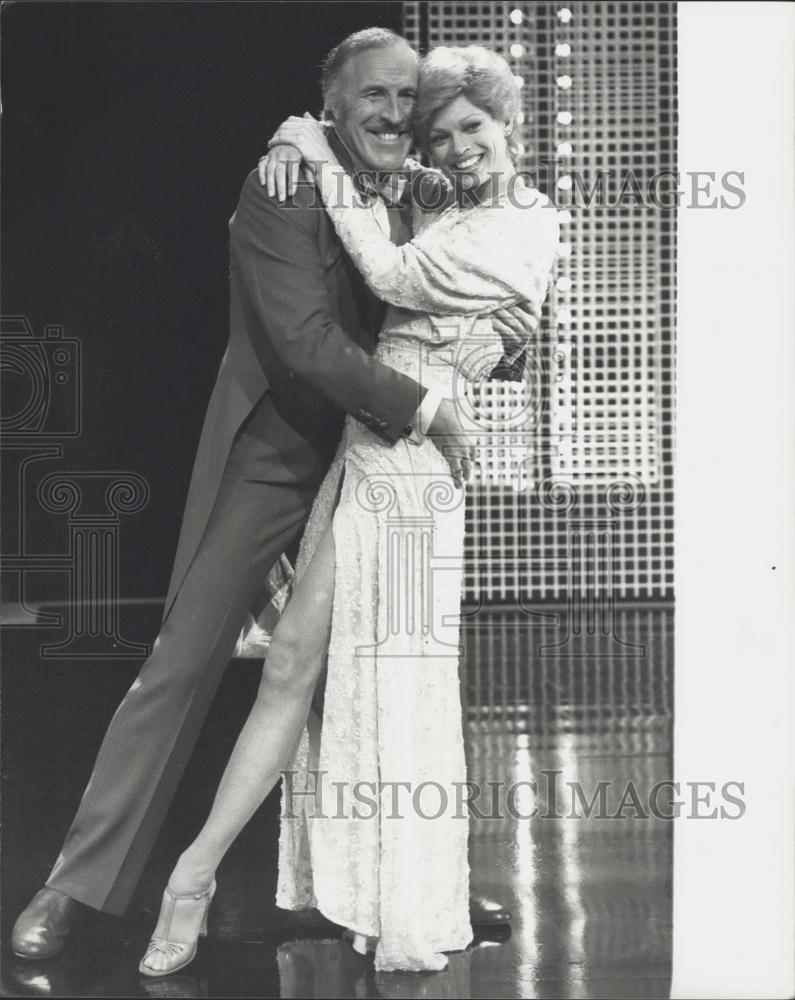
x,y
516,325
453,441
279,171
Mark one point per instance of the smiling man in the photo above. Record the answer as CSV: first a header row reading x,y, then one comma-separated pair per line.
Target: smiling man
x,y
303,326
369,94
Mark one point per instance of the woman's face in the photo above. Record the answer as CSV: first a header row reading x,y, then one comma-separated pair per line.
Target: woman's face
x,y
468,145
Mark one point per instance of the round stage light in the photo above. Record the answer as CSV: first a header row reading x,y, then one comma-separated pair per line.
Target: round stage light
x,y
564,182
564,82
563,317
563,284
565,15
564,249
563,50
565,149
564,216
517,50
516,16
564,118
519,81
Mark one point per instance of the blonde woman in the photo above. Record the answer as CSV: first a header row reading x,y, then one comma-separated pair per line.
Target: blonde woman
x,y
374,825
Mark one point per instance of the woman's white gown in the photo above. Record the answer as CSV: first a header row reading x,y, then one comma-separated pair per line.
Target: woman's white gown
x,y
374,818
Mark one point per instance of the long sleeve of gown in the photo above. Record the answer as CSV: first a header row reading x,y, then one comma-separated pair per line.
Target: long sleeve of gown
x,y
469,261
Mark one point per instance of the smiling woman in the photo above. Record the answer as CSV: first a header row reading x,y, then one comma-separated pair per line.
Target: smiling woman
x,y
392,707
466,108
369,98
469,145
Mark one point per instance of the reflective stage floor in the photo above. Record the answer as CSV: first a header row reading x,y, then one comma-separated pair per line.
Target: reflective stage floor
x,y
568,737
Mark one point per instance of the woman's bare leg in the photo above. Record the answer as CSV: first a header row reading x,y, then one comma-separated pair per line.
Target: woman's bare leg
x,y
269,739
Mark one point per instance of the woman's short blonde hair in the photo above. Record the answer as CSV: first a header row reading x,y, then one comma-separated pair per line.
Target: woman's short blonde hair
x,y
477,73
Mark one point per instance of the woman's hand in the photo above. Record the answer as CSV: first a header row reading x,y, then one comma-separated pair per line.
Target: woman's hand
x,y
458,445
309,138
516,325
279,170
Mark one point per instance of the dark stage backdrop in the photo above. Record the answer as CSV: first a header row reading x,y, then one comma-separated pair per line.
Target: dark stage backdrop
x,y
127,132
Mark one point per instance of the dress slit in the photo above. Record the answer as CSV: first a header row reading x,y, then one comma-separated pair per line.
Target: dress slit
x,y
353,843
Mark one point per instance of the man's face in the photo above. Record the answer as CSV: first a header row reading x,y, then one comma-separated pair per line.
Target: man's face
x,y
375,98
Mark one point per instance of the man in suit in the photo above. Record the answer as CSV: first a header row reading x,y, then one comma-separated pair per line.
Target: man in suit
x,y
302,329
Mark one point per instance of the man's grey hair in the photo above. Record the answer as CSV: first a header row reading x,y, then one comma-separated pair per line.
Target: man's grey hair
x,y
334,63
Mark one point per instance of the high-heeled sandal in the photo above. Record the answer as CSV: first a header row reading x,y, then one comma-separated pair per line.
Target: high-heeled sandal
x,y
182,921
362,943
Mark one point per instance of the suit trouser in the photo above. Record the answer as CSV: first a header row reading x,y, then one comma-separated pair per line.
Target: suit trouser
x,y
260,509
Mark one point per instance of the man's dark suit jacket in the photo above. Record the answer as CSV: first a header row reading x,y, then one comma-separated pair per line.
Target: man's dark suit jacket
x,y
302,328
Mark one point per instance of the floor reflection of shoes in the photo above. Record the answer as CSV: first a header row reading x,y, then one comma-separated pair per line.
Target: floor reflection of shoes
x,y
484,944
491,935
42,979
176,986
452,983
324,968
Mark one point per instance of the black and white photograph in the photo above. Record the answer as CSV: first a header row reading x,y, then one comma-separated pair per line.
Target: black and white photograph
x,y
398,534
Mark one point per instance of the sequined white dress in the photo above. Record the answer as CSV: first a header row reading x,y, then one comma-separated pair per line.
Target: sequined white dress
x,y
376,837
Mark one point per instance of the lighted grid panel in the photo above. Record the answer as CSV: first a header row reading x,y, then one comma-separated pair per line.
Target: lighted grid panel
x,y
580,499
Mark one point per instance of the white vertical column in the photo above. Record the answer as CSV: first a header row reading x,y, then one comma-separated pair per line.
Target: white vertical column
x,y
734,879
